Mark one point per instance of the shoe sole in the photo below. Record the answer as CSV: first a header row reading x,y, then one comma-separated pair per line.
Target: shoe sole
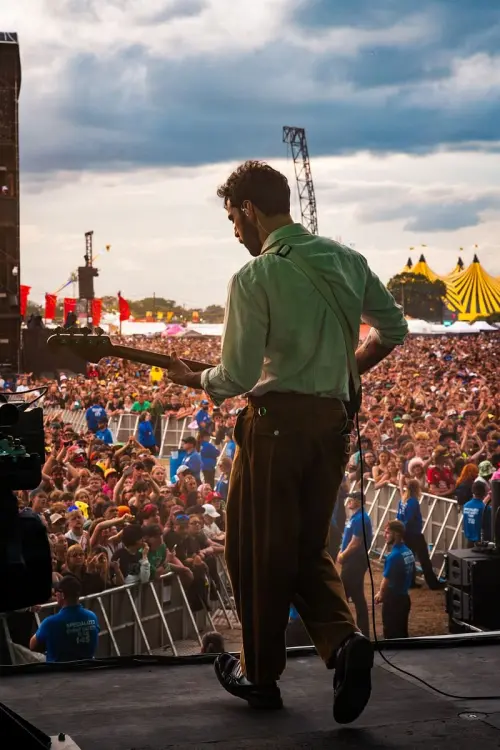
x,y
354,693
255,700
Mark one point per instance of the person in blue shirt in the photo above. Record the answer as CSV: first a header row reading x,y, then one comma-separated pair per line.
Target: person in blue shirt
x,y
230,446
353,558
192,458
476,516
145,432
338,520
222,484
95,414
209,455
104,433
203,418
411,517
396,582
71,634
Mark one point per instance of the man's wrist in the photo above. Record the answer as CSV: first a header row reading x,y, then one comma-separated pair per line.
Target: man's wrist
x,y
191,380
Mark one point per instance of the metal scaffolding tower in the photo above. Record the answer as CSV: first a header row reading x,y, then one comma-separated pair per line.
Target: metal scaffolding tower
x,y
296,139
10,267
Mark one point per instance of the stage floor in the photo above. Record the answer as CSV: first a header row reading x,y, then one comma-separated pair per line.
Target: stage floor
x,y
181,707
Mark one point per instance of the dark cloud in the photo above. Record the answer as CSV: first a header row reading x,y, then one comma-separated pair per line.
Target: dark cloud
x,y
202,109
445,216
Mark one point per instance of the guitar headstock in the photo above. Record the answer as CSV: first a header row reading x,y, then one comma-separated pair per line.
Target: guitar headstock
x,y
91,344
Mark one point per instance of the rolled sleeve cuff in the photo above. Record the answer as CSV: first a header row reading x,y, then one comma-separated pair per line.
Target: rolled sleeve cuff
x,y
393,337
218,385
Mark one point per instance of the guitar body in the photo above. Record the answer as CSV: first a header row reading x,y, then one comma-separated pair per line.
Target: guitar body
x,y
94,345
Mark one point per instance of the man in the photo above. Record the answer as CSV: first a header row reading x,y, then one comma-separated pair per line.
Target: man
x,y
396,581
95,413
203,417
71,634
192,459
209,455
354,560
284,347
476,516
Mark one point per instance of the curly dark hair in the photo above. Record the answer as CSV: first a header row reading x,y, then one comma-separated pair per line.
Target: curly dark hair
x,y
260,184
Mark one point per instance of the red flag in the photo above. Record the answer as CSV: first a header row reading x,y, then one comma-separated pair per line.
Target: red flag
x,y
69,306
24,292
50,306
123,307
96,311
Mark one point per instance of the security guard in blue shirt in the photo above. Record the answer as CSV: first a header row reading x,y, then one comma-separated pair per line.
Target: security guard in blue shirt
x,y
476,521
354,560
396,582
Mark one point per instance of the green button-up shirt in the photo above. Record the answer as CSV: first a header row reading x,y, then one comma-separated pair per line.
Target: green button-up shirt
x,y
279,333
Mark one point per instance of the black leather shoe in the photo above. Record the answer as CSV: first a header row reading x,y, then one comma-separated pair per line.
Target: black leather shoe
x,y
352,684
230,676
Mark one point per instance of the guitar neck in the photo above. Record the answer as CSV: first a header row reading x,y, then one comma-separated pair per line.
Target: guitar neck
x,y
154,359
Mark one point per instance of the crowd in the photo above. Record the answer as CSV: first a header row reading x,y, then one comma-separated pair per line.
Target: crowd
x,y
430,422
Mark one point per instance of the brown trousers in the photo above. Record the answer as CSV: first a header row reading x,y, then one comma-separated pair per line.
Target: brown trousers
x,y
290,460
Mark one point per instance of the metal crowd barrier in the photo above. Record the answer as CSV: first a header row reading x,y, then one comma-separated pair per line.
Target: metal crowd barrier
x,y
172,432
74,418
441,516
147,618
124,426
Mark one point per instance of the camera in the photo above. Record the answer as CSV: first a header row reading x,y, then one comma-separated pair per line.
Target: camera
x,y
25,555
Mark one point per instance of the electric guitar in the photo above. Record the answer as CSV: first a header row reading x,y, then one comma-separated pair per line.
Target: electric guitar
x,y
94,344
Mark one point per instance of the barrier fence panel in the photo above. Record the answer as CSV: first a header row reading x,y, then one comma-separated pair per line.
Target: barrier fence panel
x,y
172,432
137,618
442,521
126,427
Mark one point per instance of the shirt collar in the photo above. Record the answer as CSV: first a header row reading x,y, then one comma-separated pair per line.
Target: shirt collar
x,y
283,233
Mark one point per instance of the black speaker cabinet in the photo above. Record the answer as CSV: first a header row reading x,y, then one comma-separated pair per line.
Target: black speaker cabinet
x,y
473,588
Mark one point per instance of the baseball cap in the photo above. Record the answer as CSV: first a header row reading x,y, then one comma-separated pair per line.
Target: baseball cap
x,y
182,469
210,510
55,517
108,472
486,468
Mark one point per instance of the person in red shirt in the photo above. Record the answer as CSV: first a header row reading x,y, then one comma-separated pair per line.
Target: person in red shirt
x,y
440,475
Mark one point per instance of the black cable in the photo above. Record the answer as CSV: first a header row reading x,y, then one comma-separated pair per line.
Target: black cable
x,y
372,583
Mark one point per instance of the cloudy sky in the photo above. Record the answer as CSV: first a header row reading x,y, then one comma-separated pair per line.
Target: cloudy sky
x,y
133,111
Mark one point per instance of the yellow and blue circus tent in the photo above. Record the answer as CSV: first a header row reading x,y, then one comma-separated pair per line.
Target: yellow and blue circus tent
x,y
473,293
470,292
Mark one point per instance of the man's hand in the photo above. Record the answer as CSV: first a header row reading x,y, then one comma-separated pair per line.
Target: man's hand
x,y
177,370
378,598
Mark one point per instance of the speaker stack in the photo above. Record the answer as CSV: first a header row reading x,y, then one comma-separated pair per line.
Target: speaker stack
x,y
473,580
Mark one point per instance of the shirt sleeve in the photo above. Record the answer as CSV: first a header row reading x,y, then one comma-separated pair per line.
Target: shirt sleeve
x,y
244,339
388,566
41,633
357,527
381,311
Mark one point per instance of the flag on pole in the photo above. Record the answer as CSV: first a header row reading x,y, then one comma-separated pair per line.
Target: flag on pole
x,y
50,306
123,307
96,311
24,293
